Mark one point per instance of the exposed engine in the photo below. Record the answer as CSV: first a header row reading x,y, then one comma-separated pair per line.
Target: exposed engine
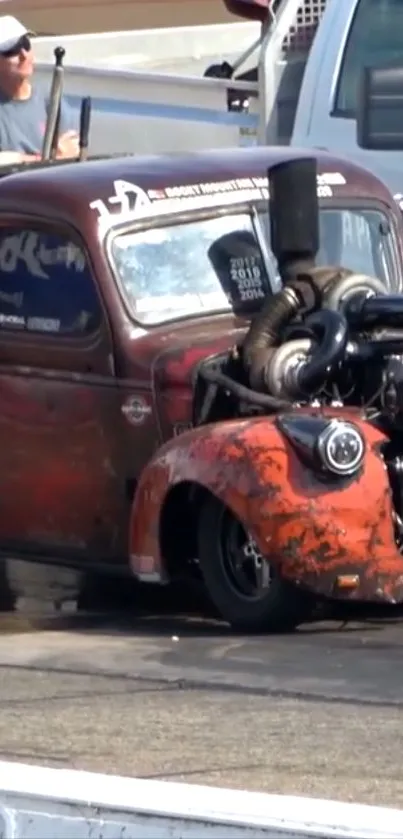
x,y
330,339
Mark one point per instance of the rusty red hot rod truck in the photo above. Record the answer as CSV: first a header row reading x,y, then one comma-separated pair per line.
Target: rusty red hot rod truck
x,y
201,372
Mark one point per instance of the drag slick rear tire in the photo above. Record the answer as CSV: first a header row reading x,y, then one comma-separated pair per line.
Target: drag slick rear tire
x,y
241,584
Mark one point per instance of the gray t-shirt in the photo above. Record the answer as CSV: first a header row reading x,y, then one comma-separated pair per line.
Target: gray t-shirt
x,y
23,122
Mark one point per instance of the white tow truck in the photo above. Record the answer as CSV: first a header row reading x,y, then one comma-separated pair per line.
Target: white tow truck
x,y
294,72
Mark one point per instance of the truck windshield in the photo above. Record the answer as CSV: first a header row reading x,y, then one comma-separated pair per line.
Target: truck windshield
x,y
216,264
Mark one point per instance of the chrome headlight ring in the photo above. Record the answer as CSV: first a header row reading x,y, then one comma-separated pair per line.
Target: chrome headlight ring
x,y
341,448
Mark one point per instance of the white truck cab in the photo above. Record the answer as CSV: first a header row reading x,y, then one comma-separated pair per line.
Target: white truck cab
x,y
352,35
295,80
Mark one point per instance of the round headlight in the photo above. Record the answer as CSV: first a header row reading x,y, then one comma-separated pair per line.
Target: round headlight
x,y
341,448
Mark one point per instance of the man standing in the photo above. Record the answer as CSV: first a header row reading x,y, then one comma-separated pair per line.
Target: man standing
x,y
23,105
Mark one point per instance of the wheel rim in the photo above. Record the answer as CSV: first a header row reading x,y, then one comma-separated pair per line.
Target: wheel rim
x,y
248,573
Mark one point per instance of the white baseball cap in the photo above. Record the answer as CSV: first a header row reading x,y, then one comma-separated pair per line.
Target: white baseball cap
x,y
11,30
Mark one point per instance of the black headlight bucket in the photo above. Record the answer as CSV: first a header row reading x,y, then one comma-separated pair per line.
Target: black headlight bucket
x,y
332,447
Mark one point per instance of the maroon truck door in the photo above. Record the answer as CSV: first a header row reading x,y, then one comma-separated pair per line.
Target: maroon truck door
x,y
60,487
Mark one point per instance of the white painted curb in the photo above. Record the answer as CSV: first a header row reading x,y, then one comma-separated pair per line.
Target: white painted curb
x,y
43,803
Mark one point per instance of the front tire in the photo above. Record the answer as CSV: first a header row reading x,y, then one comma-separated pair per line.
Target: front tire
x,y
242,585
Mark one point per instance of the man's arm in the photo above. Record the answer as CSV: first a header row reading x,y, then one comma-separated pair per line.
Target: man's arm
x,y
68,146
10,157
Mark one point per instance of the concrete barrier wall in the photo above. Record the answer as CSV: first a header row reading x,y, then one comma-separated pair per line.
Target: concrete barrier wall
x,y
45,803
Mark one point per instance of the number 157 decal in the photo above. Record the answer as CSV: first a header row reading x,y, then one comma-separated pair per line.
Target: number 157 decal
x,y
127,198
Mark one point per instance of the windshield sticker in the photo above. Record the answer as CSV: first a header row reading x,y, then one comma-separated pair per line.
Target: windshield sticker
x,y
126,199
30,249
12,320
130,201
332,179
45,284
43,324
356,231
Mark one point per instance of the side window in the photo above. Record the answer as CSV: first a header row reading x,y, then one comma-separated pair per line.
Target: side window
x,y
375,39
46,284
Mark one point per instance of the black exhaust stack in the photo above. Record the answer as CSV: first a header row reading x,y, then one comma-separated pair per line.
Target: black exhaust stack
x,y
294,229
294,215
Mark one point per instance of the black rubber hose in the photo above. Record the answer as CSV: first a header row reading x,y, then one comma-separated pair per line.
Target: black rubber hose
x,y
331,329
385,310
303,293
265,331
242,392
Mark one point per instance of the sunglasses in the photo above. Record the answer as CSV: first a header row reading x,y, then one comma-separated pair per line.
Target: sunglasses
x,y
23,44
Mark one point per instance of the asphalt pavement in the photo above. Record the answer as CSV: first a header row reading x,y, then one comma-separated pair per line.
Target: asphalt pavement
x,y
316,713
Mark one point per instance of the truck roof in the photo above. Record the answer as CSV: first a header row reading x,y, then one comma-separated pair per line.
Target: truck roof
x,y
67,190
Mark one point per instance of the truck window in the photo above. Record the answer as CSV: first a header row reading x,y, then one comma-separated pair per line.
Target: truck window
x,y
359,239
375,38
191,268
45,284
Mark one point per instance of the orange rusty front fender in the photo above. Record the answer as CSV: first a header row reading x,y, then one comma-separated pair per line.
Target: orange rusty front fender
x,y
222,458
312,531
